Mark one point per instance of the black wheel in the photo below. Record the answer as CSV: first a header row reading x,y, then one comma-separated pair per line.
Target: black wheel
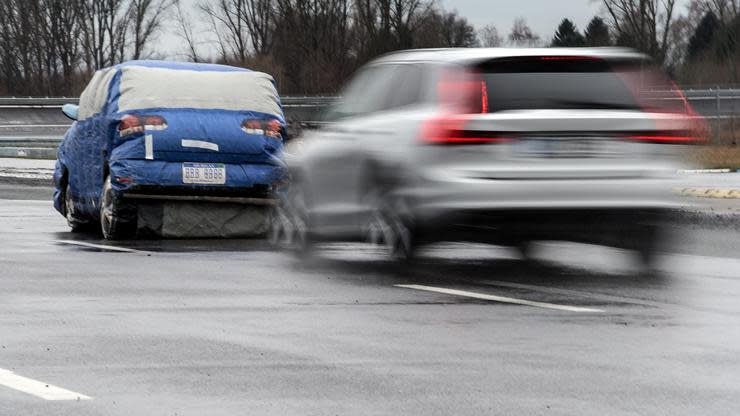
x,y
289,222
390,227
117,219
76,222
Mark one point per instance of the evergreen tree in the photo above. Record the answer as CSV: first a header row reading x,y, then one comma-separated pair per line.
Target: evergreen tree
x,y
726,42
703,37
567,35
597,33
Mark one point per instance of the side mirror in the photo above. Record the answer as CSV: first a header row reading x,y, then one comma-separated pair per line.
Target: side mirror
x,y
71,111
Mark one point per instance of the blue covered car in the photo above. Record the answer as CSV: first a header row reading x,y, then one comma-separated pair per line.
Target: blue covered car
x,y
152,130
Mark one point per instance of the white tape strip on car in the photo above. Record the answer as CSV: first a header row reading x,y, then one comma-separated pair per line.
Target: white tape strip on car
x,y
149,147
501,299
37,388
200,144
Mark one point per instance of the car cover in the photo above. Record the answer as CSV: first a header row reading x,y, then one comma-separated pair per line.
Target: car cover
x,y
140,122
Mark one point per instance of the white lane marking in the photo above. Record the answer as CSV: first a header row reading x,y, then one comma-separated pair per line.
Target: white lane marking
x,y
102,247
38,388
571,292
501,299
26,201
200,144
149,147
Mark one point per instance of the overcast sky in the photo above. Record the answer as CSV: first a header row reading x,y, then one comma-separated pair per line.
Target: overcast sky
x,y
543,16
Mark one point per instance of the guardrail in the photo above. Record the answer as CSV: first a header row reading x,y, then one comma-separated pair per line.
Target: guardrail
x,y
711,103
36,121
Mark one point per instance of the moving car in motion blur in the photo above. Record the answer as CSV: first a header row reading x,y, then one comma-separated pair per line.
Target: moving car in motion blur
x,y
164,131
503,146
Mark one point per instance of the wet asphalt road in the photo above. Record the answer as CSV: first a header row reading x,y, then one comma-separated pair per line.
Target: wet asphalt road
x,y
231,328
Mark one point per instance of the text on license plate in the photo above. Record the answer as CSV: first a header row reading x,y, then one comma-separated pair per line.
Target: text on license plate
x,y
204,173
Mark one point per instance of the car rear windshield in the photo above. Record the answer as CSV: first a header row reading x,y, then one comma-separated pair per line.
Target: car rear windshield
x,y
577,83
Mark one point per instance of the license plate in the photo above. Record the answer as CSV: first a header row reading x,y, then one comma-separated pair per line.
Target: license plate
x,y
204,173
565,148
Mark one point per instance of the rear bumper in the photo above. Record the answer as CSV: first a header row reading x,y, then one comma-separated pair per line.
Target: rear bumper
x,y
153,179
431,200
510,211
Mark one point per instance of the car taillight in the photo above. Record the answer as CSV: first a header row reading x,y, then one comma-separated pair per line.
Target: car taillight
x,y
124,180
460,93
463,91
132,124
451,131
270,128
667,138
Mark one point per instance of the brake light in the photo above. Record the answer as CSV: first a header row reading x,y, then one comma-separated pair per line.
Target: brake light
x,y
155,122
124,180
451,131
463,91
270,128
132,124
484,97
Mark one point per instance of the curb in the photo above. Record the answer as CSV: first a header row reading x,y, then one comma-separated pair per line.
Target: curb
x,y
718,193
29,152
16,180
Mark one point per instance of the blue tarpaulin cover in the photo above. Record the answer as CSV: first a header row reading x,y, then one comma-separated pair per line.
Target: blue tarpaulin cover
x,y
184,114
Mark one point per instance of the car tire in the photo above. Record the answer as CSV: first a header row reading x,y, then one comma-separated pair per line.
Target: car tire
x,y
76,223
390,227
289,223
117,220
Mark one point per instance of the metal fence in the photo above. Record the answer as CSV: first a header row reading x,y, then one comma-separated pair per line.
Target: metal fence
x,y
712,103
721,106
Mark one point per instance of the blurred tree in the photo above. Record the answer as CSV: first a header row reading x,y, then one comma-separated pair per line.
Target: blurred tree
x,y
145,19
567,35
103,32
724,10
725,45
522,36
643,24
59,30
457,32
446,30
312,42
186,32
489,37
381,26
226,18
703,37
597,33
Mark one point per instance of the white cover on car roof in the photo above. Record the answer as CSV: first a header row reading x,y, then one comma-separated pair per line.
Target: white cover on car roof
x,y
94,97
145,87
